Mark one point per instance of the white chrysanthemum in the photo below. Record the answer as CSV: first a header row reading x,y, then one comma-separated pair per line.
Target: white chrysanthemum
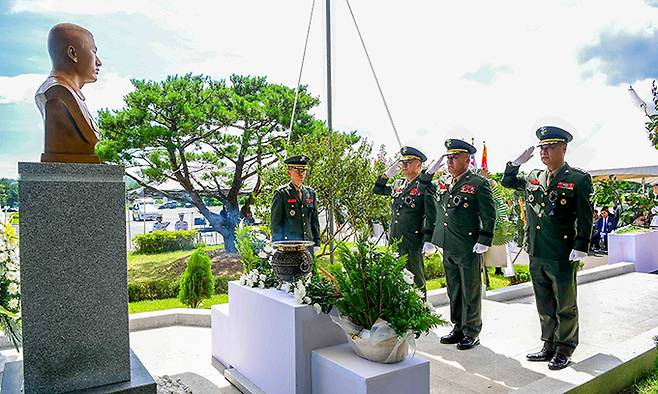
x,y
11,267
396,254
420,293
262,255
307,300
317,308
3,256
408,276
268,249
429,305
241,282
261,236
13,303
262,277
12,275
261,285
12,288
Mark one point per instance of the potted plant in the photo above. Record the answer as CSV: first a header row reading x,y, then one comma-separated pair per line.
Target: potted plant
x,y
10,308
381,311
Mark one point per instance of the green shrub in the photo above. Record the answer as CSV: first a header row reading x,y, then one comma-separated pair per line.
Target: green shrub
x,y
221,283
197,282
161,289
434,267
153,290
164,241
521,275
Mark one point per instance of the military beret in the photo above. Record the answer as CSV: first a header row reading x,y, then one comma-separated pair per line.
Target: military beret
x,y
458,146
299,161
552,135
409,153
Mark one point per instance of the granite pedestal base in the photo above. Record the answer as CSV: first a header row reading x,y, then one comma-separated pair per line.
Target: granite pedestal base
x,y
271,338
140,381
74,276
337,369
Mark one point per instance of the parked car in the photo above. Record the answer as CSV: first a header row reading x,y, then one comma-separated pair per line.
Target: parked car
x,y
144,209
169,205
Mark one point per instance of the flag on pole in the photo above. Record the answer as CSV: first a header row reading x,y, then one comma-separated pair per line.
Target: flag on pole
x,y
483,162
473,164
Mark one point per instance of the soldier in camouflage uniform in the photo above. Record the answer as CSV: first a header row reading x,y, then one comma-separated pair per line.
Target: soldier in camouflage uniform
x,y
466,216
558,226
413,210
294,212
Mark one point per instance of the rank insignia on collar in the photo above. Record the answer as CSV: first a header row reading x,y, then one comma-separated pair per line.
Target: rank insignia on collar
x,y
565,185
292,212
470,189
534,182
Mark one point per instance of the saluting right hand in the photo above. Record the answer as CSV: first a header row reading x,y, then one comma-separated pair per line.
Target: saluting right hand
x,y
434,167
524,157
392,170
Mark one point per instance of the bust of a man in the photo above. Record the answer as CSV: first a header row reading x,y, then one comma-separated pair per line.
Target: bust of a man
x,y
71,134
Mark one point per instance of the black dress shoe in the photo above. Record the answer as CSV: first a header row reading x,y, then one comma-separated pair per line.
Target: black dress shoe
x,y
468,343
542,355
452,338
559,361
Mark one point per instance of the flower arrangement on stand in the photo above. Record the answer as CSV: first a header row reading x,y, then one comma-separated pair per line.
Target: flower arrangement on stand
x,y
380,310
256,251
10,308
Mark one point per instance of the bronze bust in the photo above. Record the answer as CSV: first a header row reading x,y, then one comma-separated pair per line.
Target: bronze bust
x,y
71,133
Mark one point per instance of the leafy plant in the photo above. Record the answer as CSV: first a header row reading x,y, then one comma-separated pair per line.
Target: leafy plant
x,y
434,267
505,229
164,241
197,282
375,285
254,246
318,291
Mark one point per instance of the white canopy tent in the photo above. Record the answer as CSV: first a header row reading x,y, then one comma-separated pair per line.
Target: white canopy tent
x,y
644,174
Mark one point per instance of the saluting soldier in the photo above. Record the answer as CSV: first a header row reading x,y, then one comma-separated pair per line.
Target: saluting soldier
x,y
294,213
466,216
413,210
558,226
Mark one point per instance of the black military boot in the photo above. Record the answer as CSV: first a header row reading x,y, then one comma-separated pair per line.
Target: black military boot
x,y
545,354
454,337
559,361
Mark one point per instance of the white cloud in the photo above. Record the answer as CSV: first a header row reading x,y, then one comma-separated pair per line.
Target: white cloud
x,y
19,89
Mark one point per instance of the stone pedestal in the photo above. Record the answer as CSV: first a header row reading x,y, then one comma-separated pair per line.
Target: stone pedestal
x,y
271,337
74,279
337,369
638,248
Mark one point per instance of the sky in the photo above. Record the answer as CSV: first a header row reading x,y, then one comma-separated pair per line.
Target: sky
x,y
491,71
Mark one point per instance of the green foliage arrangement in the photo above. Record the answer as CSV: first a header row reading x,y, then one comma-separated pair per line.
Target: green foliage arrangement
x,y
505,228
197,282
318,291
375,285
631,229
164,241
256,251
10,296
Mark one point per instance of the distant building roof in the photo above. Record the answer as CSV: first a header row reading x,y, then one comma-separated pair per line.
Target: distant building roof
x,y
644,174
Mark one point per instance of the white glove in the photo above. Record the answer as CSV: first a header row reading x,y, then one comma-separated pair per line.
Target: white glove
x,y
429,248
576,255
479,248
525,156
434,167
392,170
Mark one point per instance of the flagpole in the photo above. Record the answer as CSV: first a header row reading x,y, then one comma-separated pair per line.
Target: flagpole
x,y
330,209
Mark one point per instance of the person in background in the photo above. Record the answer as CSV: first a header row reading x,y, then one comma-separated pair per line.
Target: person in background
x,y
594,241
159,225
181,224
605,226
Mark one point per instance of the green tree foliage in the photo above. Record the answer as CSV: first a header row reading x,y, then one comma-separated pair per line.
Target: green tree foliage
x,y
197,282
210,137
342,172
8,192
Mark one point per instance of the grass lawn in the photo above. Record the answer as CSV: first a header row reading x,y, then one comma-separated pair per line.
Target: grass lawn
x,y
495,281
144,267
647,385
170,303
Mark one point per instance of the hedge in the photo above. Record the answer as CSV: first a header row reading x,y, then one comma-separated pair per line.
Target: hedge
x,y
168,288
164,241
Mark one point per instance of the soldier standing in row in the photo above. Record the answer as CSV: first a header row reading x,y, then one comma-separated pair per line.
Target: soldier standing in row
x,y
413,209
294,212
558,227
466,217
